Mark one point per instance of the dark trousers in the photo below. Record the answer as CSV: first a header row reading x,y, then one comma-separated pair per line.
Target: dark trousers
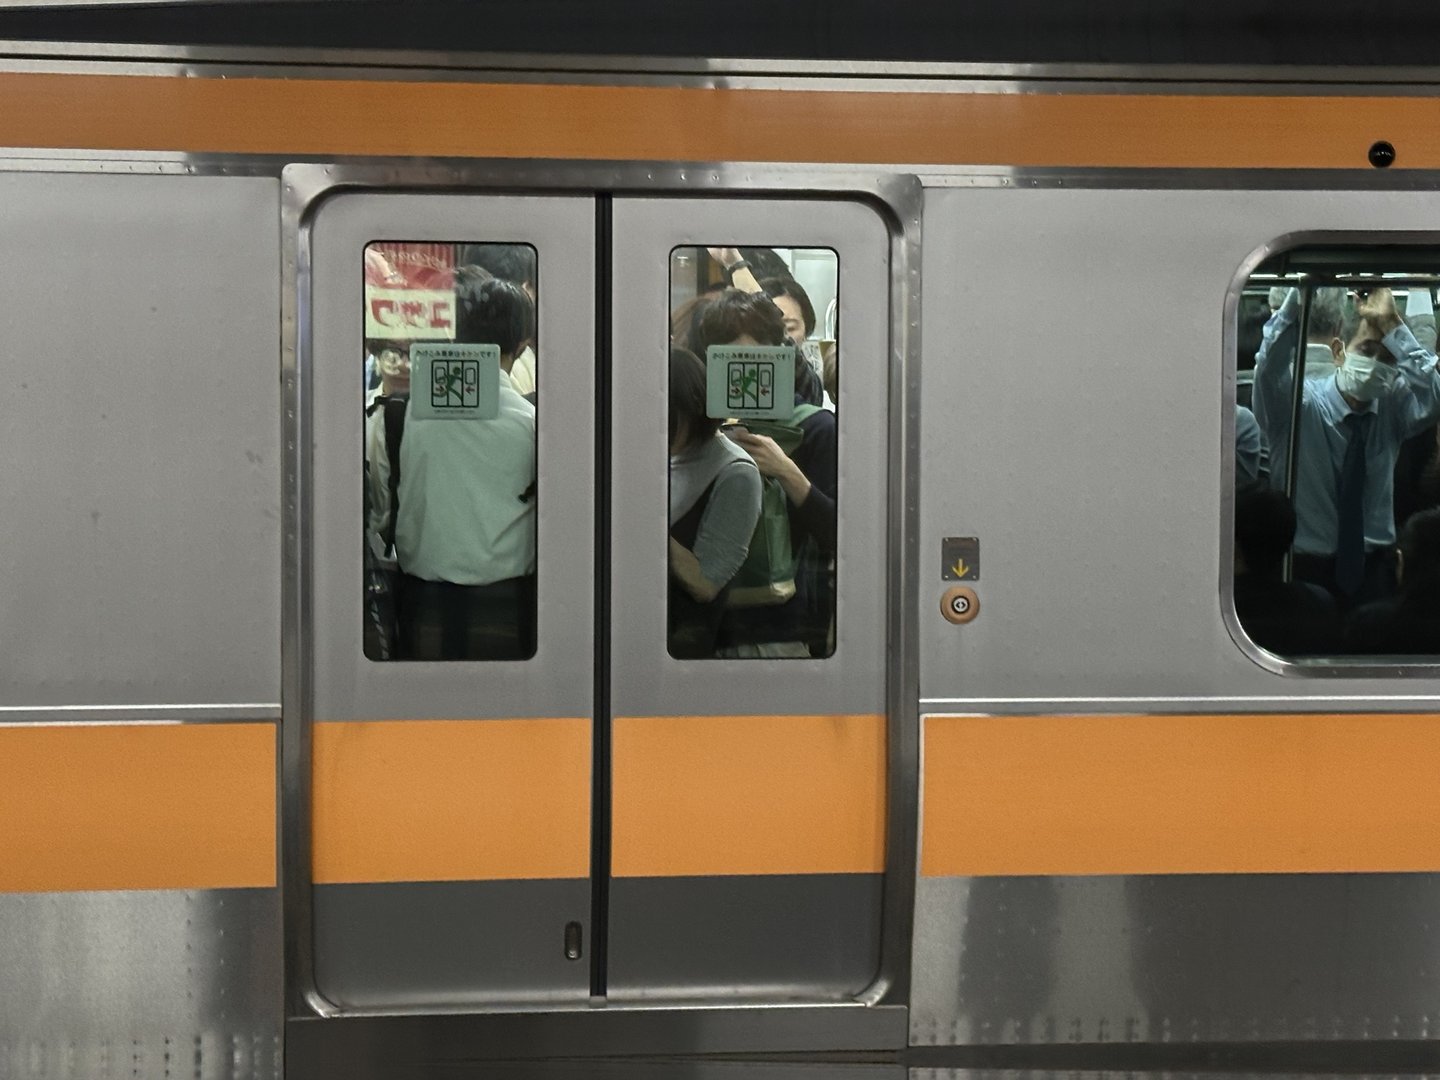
x,y
438,620
1377,584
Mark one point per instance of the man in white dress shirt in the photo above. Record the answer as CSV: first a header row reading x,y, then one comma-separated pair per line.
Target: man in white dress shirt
x,y
465,526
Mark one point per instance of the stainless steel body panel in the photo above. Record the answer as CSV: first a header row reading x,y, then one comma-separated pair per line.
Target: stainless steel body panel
x,y
1175,958
141,584
1078,424
422,1046
729,72
460,943
142,524
114,985
1095,460
1028,453
839,75
1206,1065
794,937
674,1068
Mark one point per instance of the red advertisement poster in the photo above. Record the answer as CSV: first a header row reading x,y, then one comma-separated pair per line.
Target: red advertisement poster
x,y
410,292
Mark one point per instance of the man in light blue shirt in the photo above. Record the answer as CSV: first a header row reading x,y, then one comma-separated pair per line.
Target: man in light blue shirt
x,y
1384,389
1252,464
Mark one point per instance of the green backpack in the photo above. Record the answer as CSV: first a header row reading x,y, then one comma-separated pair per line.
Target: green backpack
x,y
767,576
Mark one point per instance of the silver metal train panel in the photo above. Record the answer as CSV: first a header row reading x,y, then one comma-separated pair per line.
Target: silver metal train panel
x,y
1075,415
1176,958
142,531
141,576
1079,427
1028,389
105,985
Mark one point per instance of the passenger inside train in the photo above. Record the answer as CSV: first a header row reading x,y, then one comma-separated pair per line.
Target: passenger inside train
x,y
749,341
450,471
514,263
714,505
1339,457
450,524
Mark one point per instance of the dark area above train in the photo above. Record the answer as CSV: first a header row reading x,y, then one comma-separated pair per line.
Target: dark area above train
x,y
1252,33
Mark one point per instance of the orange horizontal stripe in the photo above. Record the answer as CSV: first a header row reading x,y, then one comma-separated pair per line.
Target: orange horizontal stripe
x,y
1180,794
703,795
450,800
334,117
136,806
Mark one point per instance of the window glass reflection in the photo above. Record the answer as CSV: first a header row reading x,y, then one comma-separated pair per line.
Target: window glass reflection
x,y
450,467
753,453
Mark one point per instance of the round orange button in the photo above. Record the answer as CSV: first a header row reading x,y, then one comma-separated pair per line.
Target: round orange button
x,y
959,604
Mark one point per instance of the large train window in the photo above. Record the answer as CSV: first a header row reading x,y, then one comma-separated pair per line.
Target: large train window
x,y
1337,455
753,452
450,476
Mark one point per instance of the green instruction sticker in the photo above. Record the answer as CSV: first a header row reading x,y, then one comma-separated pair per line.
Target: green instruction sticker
x,y
750,382
454,382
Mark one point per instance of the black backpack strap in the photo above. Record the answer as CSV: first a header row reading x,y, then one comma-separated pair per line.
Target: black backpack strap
x,y
394,420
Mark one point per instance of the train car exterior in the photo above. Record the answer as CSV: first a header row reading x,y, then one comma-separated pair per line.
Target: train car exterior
x,y
1078,807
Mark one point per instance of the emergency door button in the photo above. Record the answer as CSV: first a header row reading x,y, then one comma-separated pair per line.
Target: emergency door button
x,y
959,604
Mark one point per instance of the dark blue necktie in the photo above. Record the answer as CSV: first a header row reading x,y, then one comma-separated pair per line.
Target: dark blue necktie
x,y
1350,544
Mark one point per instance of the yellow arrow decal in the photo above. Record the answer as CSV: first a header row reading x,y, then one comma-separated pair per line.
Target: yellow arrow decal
x,y
960,569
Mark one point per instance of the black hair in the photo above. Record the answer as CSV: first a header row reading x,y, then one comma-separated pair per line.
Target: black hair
x,y
776,287
685,323
1264,529
1249,337
1420,548
735,313
764,263
513,262
688,399
492,311
809,387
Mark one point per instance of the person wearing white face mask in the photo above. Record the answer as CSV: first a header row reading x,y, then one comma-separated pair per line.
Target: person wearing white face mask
x,y
1384,389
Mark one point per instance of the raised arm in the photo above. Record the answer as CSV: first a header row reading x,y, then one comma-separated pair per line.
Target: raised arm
x,y
1420,317
736,268
1418,397
1273,399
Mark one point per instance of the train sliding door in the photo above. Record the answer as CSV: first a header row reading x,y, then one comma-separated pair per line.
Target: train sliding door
x,y
450,622
747,841
596,581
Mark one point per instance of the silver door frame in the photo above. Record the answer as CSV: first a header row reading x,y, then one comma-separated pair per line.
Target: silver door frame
x,y
898,198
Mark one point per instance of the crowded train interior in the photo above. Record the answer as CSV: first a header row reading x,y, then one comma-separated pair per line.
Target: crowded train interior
x,y
1337,471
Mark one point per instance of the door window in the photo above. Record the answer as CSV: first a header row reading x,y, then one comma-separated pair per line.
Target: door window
x,y
450,403
753,445
1337,465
